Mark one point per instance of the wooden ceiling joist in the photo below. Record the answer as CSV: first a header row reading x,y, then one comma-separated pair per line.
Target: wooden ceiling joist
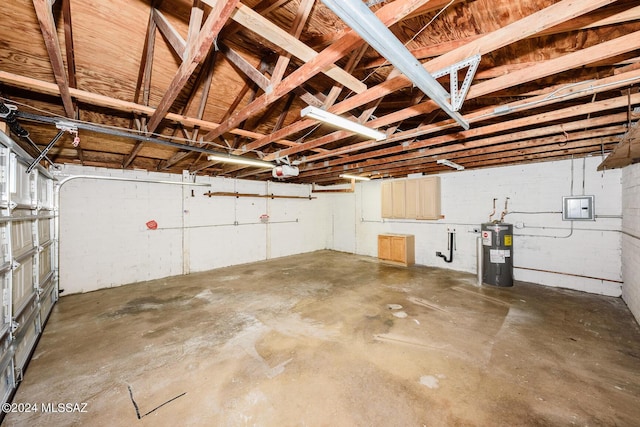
x,y
112,103
578,139
428,147
519,30
547,68
556,95
540,70
388,14
496,157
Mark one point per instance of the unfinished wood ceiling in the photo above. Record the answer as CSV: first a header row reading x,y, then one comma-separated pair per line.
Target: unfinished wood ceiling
x,y
556,79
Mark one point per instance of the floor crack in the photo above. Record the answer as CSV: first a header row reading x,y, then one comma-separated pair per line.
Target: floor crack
x,y
135,405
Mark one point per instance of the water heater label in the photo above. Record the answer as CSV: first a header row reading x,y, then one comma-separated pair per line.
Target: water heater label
x,y
486,238
497,256
508,239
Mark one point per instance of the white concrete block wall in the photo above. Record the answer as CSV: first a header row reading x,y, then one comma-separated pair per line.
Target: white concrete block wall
x,y
587,258
341,221
104,241
631,238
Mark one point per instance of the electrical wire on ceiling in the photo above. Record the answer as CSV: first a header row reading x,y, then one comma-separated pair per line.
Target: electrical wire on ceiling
x,y
313,129
551,96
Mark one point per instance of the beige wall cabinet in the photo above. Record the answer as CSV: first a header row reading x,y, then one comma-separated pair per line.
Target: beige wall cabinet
x,y
429,198
387,200
397,248
398,189
411,198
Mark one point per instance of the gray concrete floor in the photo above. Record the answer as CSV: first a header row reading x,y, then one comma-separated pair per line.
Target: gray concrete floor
x,y
332,339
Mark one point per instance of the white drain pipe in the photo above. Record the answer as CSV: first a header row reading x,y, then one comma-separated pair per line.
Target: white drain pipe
x,y
479,259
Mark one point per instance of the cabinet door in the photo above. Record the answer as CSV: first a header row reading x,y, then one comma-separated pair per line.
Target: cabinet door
x,y
398,193
412,192
429,198
384,247
398,249
387,200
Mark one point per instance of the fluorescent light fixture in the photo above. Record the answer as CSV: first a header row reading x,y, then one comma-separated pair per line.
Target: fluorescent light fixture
x,y
356,177
239,160
359,17
341,122
450,164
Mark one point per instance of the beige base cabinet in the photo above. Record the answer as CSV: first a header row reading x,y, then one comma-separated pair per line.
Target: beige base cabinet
x,y
397,248
411,198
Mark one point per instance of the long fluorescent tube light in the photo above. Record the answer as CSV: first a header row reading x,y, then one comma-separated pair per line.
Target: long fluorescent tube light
x,y
450,164
359,17
239,161
341,122
356,177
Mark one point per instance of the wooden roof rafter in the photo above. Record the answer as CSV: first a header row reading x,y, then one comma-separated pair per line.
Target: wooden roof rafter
x,y
296,30
194,52
417,149
68,44
532,24
542,69
143,84
203,80
44,13
197,51
615,14
527,70
389,14
71,62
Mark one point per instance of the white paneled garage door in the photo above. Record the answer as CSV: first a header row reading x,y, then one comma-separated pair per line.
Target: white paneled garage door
x,y
28,260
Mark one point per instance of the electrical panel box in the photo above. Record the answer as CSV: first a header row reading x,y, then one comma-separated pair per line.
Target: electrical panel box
x,y
578,208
